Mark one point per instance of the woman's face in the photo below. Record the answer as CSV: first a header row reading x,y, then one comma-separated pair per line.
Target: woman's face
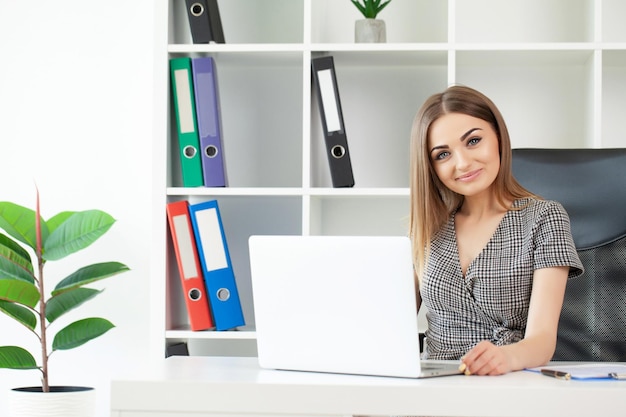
x,y
464,152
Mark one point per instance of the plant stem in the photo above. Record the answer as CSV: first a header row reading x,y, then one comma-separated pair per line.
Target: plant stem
x,y
42,326
42,300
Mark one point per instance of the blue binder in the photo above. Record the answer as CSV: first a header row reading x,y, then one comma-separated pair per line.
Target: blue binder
x,y
217,268
209,121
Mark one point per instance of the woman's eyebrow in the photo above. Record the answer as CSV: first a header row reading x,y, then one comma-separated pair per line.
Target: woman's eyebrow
x,y
462,138
439,147
469,132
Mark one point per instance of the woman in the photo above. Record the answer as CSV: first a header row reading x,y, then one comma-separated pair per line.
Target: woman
x,y
491,258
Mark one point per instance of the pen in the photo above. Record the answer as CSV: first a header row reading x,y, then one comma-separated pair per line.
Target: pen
x,y
556,374
615,375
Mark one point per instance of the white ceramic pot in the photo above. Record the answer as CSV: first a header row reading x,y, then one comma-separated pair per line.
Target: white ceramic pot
x,y
61,401
370,31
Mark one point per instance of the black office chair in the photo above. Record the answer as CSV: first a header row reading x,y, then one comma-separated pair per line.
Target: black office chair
x,y
591,185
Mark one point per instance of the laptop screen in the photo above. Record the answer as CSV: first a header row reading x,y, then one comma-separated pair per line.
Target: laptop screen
x,y
341,304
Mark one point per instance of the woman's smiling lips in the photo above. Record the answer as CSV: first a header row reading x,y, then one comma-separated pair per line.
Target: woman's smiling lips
x,y
469,176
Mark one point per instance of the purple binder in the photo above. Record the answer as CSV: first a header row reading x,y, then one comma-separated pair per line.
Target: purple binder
x,y
209,121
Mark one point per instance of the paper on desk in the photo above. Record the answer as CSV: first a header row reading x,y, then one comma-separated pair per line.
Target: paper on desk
x,y
588,370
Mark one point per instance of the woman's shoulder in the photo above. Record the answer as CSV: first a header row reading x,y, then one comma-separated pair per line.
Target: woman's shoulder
x,y
537,204
537,207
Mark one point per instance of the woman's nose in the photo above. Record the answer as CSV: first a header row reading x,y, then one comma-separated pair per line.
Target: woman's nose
x,y
462,160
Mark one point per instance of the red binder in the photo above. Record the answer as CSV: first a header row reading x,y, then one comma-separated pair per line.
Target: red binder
x,y
189,268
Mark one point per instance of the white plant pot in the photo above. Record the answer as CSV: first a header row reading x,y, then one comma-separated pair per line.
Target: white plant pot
x,y
370,31
61,401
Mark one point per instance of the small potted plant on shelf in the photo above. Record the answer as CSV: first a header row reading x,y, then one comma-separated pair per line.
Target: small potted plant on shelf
x,y
24,297
370,29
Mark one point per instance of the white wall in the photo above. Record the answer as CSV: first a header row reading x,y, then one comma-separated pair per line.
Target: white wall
x,y
76,80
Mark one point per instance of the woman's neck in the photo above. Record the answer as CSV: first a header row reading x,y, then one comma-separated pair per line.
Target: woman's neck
x,y
483,206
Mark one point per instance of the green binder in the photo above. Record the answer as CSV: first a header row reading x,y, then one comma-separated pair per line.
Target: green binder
x,y
186,125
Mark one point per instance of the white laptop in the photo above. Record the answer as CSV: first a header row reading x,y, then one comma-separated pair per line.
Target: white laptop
x,y
339,304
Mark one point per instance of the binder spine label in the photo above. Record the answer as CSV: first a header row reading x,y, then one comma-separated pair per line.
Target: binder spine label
x,y
329,101
183,237
183,97
212,240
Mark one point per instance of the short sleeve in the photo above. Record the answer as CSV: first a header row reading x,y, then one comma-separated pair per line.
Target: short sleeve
x,y
553,243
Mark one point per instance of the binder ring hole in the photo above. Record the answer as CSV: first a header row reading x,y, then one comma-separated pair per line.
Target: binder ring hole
x,y
337,151
189,152
211,151
223,294
195,294
196,9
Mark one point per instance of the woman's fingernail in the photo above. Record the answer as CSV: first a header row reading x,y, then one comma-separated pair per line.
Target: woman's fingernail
x,y
462,367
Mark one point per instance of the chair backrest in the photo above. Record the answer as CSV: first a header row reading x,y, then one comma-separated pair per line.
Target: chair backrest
x,y
591,185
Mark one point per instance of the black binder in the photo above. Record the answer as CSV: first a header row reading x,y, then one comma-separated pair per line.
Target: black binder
x,y
332,122
204,21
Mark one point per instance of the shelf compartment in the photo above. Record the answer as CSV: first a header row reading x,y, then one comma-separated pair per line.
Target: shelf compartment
x,y
380,94
524,21
246,21
406,21
545,96
359,215
262,145
242,216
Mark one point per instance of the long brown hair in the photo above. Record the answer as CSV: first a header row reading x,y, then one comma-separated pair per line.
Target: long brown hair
x,y
431,202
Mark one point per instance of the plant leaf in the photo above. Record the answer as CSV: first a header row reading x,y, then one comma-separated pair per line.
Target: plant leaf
x,y
55,221
382,6
80,332
370,8
19,313
66,301
11,250
12,270
77,232
18,291
19,222
14,357
89,274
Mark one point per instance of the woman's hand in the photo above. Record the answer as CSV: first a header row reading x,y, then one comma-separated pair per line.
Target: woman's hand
x,y
486,359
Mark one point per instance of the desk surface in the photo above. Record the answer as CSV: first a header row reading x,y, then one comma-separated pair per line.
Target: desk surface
x,y
202,386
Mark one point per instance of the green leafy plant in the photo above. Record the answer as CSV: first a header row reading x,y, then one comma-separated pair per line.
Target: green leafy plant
x,y
23,295
370,8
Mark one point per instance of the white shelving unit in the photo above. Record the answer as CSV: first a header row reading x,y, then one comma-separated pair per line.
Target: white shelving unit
x,y
556,69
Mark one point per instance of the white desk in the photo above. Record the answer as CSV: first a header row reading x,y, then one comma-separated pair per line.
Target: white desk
x,y
209,386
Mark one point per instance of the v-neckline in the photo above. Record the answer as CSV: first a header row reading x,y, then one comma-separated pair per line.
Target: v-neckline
x,y
482,251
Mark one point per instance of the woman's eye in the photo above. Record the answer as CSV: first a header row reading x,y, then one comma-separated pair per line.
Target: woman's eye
x,y
441,155
473,141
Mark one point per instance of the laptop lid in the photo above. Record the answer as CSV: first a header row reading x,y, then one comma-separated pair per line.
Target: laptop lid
x,y
343,304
